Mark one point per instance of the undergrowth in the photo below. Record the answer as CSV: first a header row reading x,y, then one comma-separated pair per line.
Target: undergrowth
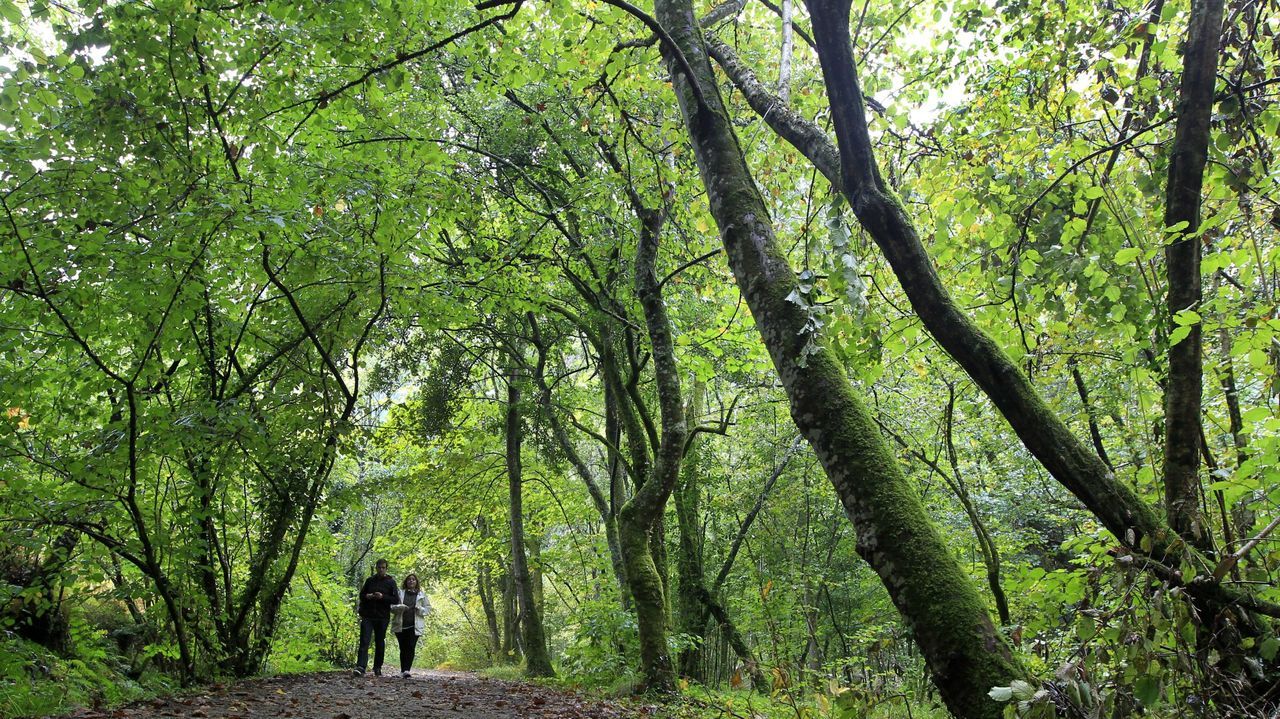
x,y
696,702
37,682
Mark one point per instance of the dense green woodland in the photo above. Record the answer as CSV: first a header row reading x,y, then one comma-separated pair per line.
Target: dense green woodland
x,y
876,360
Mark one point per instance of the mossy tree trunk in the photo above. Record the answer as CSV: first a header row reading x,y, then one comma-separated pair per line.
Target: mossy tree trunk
x,y
1043,433
852,170
1082,471
947,616
640,514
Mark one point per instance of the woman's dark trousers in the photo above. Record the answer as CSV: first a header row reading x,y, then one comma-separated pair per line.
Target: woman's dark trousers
x,y
408,645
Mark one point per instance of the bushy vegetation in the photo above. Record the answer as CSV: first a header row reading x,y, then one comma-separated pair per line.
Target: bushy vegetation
x,y
35,681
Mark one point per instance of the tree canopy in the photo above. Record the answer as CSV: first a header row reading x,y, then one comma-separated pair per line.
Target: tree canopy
x,y
856,353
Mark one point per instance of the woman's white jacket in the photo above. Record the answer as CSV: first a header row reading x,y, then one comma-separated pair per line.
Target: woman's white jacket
x,y
420,609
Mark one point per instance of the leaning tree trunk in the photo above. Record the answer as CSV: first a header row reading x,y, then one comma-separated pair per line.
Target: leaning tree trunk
x,y
537,659
1042,432
948,618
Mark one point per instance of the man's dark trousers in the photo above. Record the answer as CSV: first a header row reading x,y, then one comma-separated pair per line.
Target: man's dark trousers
x,y
377,630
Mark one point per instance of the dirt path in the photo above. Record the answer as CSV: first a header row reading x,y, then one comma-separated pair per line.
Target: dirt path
x,y
336,695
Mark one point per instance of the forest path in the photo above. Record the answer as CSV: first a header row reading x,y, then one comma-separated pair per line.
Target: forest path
x,y
339,695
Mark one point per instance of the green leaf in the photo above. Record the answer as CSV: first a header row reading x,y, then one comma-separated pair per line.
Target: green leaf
x,y
10,11
1086,627
1001,694
1147,690
1187,317
1022,690
1269,647
1256,414
1178,334
1127,255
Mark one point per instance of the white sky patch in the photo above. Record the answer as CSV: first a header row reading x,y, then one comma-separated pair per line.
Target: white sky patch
x,y
939,101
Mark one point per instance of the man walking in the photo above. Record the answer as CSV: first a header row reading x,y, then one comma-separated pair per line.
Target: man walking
x,y
377,596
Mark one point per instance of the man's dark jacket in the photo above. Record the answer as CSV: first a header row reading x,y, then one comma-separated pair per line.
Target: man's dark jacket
x,y
378,608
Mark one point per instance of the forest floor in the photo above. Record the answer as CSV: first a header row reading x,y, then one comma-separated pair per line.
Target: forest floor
x,y
340,695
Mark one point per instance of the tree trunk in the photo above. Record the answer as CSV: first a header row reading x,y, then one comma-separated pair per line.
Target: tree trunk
x,y
603,504
695,604
948,618
510,647
537,659
617,488
812,656
533,541
735,640
691,617
493,641
640,514
1187,159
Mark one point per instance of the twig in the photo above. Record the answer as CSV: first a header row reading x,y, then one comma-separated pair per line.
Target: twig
x,y
1230,560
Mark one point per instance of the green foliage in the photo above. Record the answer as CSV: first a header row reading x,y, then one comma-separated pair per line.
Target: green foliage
x,y
317,630
830,702
600,652
256,295
36,682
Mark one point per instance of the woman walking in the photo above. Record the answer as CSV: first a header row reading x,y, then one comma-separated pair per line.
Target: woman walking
x,y
409,620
